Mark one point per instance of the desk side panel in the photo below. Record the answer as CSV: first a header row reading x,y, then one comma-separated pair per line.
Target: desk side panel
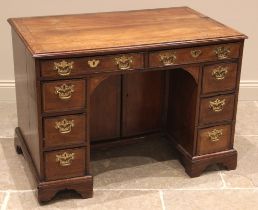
x,y
182,109
105,109
26,98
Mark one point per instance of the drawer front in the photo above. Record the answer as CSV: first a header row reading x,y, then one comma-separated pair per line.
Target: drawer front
x,y
193,55
63,95
214,139
63,164
219,77
87,65
64,130
216,109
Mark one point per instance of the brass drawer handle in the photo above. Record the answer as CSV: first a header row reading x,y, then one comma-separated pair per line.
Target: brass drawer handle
x,y
196,53
167,58
215,135
64,126
64,91
124,62
222,52
220,72
65,159
217,105
93,63
63,68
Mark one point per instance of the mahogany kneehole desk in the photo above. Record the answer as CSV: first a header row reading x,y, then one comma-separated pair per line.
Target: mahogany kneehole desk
x,y
90,80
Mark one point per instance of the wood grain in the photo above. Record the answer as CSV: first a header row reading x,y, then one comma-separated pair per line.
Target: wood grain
x,y
143,99
54,170
181,114
82,185
105,117
211,85
208,115
82,67
184,56
205,145
54,138
87,32
114,106
52,101
26,95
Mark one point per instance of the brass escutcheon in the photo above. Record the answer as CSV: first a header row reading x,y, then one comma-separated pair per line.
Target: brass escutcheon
x,y
65,159
63,68
196,53
222,52
220,72
215,135
93,63
217,105
64,91
64,126
167,58
124,62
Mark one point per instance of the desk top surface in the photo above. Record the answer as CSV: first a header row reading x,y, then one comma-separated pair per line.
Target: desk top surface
x,y
84,33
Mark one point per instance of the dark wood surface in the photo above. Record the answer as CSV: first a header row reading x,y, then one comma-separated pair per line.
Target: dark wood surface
x,y
181,114
211,84
53,103
195,166
105,117
83,185
143,101
184,56
48,189
147,92
205,145
48,35
54,170
26,98
208,115
81,66
71,134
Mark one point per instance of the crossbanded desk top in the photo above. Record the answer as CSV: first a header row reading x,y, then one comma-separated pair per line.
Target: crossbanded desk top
x,y
85,33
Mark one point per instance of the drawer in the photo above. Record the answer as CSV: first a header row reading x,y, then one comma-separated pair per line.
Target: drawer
x,y
193,55
64,130
213,139
63,164
87,65
219,77
63,95
216,109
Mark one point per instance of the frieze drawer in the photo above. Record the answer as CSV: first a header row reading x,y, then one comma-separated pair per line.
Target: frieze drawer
x,y
87,65
193,55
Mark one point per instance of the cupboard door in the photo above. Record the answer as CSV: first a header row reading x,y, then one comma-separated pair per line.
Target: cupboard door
x,y
105,104
143,100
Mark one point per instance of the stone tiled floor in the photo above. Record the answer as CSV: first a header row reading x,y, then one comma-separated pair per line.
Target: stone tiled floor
x,y
142,176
